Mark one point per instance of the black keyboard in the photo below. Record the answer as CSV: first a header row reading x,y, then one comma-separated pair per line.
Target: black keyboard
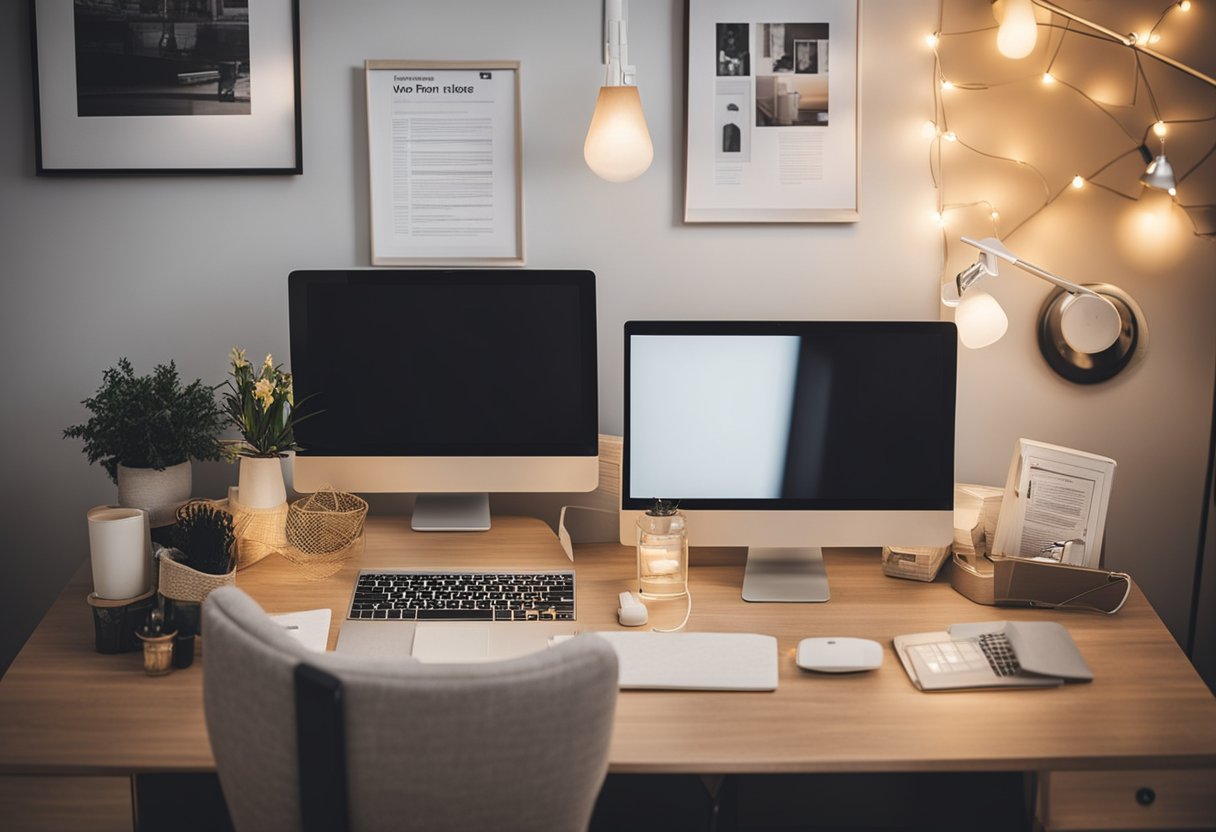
x,y
463,596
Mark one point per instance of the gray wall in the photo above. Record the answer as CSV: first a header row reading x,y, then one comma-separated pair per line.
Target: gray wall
x,y
184,268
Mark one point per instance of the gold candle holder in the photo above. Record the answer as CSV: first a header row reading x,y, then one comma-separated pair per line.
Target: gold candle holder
x,y
158,653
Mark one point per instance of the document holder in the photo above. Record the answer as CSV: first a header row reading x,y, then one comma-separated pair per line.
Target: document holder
x,y
1016,582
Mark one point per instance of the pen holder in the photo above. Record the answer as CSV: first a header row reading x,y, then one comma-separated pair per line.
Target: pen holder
x,y
158,653
662,553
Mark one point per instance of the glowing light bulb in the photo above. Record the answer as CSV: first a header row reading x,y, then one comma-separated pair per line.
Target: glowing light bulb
x,y
938,218
950,136
1018,30
946,85
1154,38
1173,192
1048,78
1078,181
1159,128
995,216
618,146
931,40
928,129
1139,40
1184,6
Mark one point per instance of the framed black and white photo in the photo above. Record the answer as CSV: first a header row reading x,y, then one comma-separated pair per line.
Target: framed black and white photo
x,y
445,158
166,86
773,111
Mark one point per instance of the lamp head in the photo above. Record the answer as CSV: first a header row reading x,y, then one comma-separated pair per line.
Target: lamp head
x,y
1160,174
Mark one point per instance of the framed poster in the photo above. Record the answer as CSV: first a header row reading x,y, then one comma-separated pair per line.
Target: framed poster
x,y
772,133
166,86
445,158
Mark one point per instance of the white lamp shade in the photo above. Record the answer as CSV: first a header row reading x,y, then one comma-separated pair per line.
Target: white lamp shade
x,y
1018,31
1159,174
980,320
1088,323
618,146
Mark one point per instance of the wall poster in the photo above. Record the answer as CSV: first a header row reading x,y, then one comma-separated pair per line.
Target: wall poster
x,y
773,111
166,87
445,154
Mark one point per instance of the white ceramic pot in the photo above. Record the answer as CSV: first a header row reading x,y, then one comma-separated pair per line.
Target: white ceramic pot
x,y
157,492
120,549
260,483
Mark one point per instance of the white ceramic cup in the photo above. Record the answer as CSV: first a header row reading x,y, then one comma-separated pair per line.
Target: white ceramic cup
x,y
120,548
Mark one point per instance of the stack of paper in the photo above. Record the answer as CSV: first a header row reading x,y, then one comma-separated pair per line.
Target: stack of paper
x,y
976,508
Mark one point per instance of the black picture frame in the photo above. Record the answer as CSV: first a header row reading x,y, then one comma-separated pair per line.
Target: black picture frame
x,y
166,87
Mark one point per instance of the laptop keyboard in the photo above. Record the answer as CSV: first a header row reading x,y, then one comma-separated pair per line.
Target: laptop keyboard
x,y
463,596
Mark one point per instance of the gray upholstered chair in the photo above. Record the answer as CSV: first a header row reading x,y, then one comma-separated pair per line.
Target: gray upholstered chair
x,y
517,744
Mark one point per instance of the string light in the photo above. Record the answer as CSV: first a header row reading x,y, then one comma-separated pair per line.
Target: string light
x,y
931,40
1134,40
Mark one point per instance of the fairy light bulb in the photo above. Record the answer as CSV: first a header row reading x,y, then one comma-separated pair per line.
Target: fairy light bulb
x,y
1048,78
1172,192
1018,30
1154,38
1159,129
995,215
928,129
1184,6
1078,181
931,40
950,136
938,219
946,85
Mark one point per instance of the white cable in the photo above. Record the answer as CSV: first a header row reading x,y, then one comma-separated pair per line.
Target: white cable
x,y
680,626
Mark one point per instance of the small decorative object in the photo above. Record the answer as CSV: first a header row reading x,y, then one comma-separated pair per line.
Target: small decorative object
x,y
322,529
158,644
145,430
205,553
920,563
662,552
261,405
115,622
166,87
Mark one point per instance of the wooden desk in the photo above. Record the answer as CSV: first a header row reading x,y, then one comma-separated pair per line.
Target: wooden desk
x,y
66,710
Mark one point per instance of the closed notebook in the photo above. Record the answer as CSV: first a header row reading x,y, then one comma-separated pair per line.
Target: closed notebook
x,y
993,654
695,661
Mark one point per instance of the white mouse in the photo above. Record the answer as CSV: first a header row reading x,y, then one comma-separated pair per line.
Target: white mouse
x,y
632,612
839,655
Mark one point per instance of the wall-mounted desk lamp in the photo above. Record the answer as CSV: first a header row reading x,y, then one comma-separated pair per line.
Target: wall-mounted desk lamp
x,y
1087,333
618,146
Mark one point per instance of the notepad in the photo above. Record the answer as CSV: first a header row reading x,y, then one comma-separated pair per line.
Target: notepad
x,y
695,661
309,627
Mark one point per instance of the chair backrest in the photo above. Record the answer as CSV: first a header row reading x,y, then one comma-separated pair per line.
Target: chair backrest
x,y
517,744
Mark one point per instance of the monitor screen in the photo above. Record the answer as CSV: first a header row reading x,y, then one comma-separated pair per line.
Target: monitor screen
x,y
484,372
792,433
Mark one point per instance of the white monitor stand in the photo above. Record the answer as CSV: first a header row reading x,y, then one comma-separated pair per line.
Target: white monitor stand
x,y
451,513
791,575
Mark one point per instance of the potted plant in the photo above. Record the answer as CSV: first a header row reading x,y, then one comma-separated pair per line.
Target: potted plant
x,y
145,430
262,407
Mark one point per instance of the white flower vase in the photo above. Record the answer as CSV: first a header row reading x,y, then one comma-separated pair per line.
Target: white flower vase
x,y
157,492
260,483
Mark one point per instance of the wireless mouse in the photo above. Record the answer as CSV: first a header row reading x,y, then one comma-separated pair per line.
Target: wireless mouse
x,y
838,655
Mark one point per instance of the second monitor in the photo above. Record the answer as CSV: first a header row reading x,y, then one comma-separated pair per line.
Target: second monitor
x,y
450,384
786,436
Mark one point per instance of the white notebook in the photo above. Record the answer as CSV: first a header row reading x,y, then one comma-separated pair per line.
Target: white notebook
x,y
695,661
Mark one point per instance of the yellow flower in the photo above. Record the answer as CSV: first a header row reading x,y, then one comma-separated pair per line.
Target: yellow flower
x,y
237,357
268,364
263,391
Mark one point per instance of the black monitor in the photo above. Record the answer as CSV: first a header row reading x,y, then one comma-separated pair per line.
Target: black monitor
x,y
786,436
449,384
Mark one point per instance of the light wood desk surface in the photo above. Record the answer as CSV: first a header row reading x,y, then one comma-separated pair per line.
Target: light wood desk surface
x,y
65,709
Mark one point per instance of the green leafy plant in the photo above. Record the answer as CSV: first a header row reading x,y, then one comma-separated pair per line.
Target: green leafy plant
x,y
205,535
262,406
149,421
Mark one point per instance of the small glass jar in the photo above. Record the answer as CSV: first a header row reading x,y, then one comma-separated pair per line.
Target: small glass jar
x,y
662,552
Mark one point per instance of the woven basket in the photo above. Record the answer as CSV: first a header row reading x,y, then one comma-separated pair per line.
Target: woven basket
x,y
325,522
183,583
